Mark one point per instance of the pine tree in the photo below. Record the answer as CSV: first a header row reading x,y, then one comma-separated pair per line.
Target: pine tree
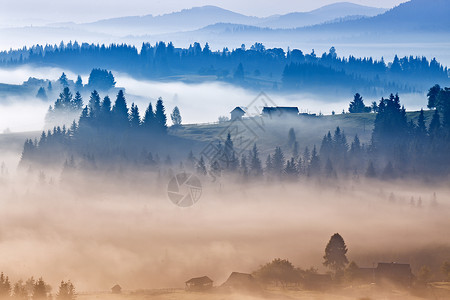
x,y
64,102
20,291
79,83
435,125
41,94
314,164
306,155
291,169
291,137
160,116
77,102
66,291
105,111
432,96
201,167
421,129
149,120
94,104
135,119
5,286
63,80
176,116
255,163
357,105
120,111
40,290
335,254
278,161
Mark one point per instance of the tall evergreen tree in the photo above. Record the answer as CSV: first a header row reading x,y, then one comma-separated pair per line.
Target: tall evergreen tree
x,y
335,254
314,164
63,80
149,120
40,290
135,119
435,125
278,161
77,102
160,116
176,116
94,104
201,167
79,83
432,95
66,291
421,129
255,163
357,105
120,111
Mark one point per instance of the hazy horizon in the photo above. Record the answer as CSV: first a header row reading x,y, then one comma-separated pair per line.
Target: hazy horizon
x,y
29,12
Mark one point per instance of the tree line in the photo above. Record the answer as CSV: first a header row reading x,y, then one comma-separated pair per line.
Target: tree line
x,y
109,133
104,131
245,66
34,289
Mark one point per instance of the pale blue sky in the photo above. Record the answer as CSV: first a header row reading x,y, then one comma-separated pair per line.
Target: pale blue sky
x,y
35,12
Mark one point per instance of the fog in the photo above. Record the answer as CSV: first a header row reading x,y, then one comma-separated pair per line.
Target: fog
x,y
99,229
198,102
102,231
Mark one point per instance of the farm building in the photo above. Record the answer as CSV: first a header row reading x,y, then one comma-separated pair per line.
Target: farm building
x,y
279,111
199,284
117,289
237,113
241,282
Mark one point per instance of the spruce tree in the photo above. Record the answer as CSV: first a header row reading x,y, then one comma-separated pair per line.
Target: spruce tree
x,y
41,94
94,104
421,129
357,105
160,116
77,102
435,125
176,116
40,290
335,254
79,83
120,111
432,96
255,163
135,119
314,164
201,167
278,161
149,120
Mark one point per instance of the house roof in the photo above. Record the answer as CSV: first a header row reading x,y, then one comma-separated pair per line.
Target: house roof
x,y
394,266
241,281
116,287
238,109
200,280
281,109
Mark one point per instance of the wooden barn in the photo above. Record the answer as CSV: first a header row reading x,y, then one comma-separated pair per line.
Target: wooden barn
x,y
280,111
117,289
241,282
199,284
237,113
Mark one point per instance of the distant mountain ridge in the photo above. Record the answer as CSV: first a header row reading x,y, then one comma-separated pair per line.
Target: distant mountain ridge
x,y
199,17
414,15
